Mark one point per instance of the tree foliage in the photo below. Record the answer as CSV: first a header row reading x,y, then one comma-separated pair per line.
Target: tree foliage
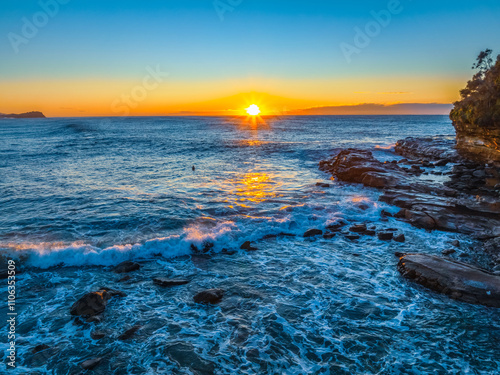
x,y
480,100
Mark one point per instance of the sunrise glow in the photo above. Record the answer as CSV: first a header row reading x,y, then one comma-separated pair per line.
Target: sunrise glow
x,y
253,110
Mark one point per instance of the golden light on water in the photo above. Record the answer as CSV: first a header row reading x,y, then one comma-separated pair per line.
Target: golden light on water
x,y
253,110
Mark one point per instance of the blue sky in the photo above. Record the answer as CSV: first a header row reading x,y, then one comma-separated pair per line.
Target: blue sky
x,y
284,40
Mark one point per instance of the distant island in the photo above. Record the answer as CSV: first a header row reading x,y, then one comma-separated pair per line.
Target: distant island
x,y
23,115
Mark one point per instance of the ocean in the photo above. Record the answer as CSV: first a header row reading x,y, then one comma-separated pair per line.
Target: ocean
x,y
78,195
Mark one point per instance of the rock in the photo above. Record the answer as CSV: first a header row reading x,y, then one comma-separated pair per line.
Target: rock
x,y
129,333
97,335
90,364
370,233
248,246
124,278
126,267
385,236
337,226
480,173
442,163
323,185
431,148
228,252
360,166
94,303
329,235
400,238
457,280
385,213
358,228
94,319
352,237
313,233
169,282
40,348
456,243
211,296
399,255
448,252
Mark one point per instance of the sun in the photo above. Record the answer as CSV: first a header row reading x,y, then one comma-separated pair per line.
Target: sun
x,y
253,110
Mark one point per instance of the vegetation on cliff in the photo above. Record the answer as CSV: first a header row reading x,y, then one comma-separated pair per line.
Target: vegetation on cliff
x,y
480,103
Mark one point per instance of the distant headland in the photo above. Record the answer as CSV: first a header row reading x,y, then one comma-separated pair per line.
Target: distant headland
x,y
23,115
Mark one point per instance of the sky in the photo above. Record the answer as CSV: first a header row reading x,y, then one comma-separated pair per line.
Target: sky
x,y
113,58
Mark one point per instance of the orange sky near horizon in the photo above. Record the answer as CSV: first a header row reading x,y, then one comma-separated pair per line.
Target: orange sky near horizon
x,y
98,97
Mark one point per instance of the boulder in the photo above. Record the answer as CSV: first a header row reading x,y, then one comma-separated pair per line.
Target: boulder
x,y
457,280
89,364
126,267
385,236
313,233
359,228
248,246
209,297
94,303
400,238
169,282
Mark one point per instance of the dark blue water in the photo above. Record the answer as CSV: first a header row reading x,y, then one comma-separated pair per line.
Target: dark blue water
x,y
78,193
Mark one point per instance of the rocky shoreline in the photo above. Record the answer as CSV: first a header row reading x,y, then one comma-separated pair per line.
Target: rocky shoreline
x,y
436,189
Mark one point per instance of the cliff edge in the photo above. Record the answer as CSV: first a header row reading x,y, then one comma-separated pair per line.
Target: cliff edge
x,y
476,117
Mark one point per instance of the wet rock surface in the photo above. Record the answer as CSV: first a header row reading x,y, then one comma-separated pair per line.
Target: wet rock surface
x,y
462,196
126,267
469,205
457,280
129,333
94,303
209,297
90,364
313,233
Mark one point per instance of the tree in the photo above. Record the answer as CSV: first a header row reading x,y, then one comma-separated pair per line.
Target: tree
x,y
484,61
480,100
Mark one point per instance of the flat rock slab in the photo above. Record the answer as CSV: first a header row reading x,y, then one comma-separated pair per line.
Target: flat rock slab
x,y
457,280
166,283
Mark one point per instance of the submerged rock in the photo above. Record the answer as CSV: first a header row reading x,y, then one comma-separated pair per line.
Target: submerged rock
x,y
210,296
94,303
457,280
169,282
39,348
89,364
129,333
97,335
400,238
248,246
126,267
